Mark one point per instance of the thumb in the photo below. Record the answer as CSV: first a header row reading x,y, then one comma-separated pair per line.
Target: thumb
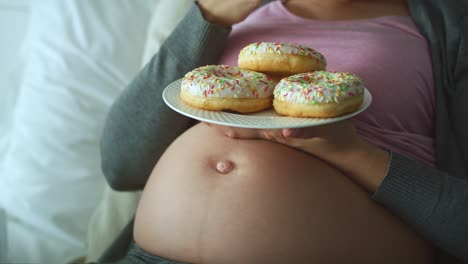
x,y
293,132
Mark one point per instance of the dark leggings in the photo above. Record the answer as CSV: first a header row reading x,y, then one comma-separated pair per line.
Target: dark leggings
x,y
136,255
125,251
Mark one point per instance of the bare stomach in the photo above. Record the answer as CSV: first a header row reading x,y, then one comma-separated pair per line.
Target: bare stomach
x,y
212,199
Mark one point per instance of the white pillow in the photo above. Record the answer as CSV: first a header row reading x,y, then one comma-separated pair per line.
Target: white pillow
x,y
79,55
165,18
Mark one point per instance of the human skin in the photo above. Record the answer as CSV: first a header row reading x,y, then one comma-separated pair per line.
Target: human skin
x,y
227,13
228,195
338,144
215,198
223,13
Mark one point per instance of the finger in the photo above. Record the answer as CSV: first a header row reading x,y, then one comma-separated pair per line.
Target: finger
x,y
246,133
293,132
305,133
317,131
273,135
236,132
243,133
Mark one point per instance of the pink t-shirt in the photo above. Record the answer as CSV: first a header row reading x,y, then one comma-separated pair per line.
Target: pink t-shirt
x,y
388,53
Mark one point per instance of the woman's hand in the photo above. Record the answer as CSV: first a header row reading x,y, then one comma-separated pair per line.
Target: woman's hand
x,y
337,144
227,13
324,142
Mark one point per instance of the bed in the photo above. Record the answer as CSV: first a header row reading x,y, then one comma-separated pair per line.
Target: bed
x,y
63,64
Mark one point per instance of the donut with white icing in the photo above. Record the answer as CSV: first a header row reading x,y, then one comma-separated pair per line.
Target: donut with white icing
x,y
223,87
280,59
318,94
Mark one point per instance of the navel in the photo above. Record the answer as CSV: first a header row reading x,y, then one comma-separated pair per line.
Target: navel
x,y
224,166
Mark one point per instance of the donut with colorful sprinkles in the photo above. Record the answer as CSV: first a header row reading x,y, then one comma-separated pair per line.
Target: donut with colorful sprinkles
x,y
223,87
280,59
318,94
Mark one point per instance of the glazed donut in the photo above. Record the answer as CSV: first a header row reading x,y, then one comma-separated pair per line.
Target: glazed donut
x,y
280,59
318,94
222,87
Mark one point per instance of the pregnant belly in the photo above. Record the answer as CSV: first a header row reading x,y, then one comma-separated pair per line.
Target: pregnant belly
x,y
212,199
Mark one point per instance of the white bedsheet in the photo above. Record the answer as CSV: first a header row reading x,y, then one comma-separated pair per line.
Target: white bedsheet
x,y
73,57
13,15
13,22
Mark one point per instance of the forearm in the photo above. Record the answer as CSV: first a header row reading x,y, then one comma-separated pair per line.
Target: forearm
x,y
139,126
432,202
366,165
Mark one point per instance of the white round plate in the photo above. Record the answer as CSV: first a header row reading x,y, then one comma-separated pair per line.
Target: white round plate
x,y
266,119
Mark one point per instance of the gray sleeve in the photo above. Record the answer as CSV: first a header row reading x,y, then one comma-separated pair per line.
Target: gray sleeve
x,y
434,203
139,126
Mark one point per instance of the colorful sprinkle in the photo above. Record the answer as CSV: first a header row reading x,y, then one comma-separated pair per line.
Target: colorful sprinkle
x,y
283,48
318,87
223,81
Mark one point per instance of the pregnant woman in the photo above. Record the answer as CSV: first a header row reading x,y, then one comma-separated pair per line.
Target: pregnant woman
x,y
373,190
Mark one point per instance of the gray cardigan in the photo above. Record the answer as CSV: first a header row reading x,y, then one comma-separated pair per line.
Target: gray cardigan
x,y
139,126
